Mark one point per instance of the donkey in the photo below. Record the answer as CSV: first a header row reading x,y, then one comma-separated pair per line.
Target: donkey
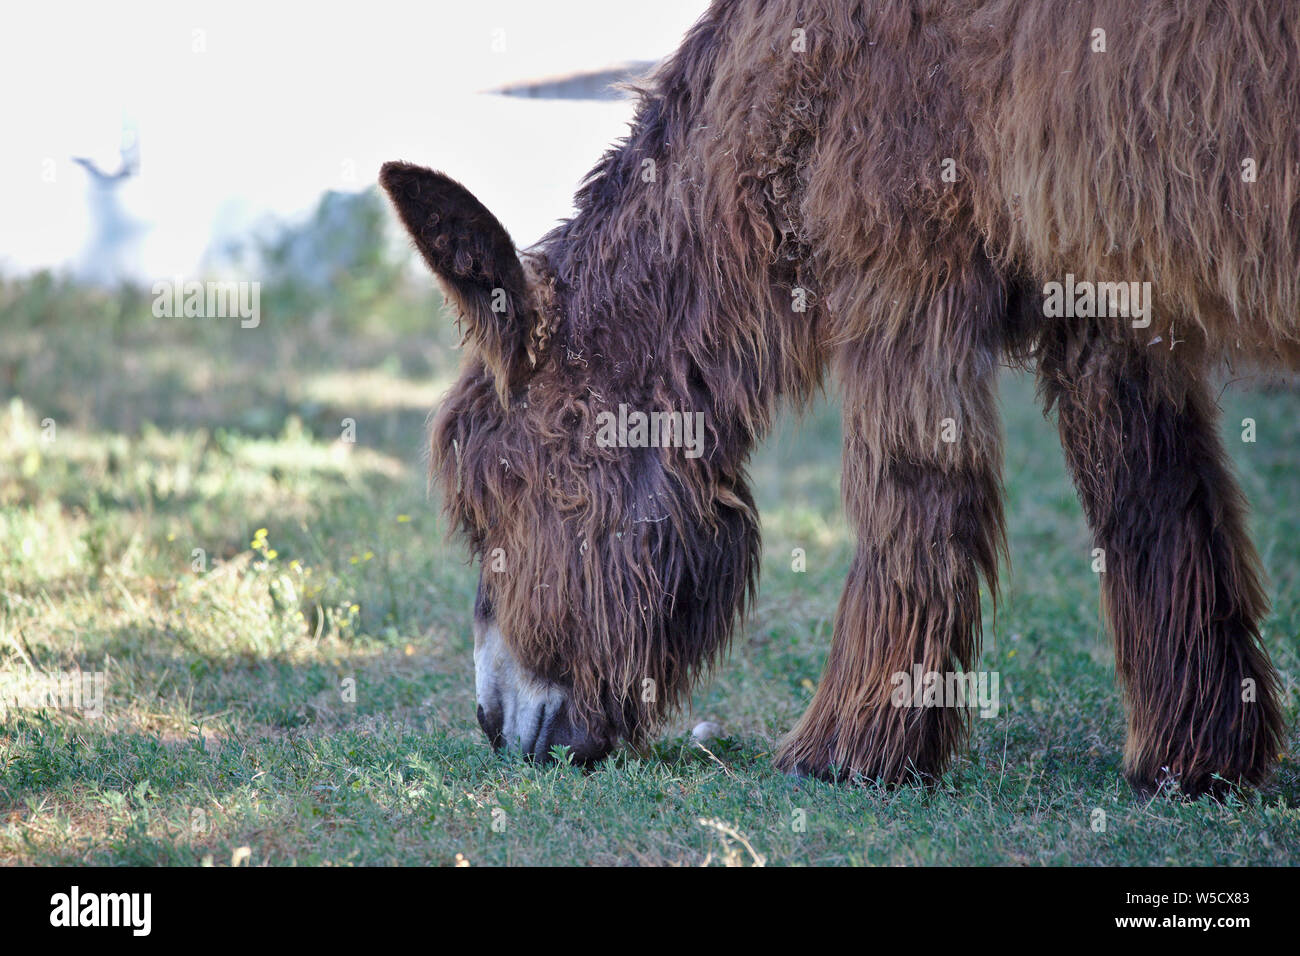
x,y
886,193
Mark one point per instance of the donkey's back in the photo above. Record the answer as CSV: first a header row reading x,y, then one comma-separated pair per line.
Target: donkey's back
x,y
1117,141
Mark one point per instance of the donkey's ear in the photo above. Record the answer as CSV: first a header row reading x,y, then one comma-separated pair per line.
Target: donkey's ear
x,y
471,254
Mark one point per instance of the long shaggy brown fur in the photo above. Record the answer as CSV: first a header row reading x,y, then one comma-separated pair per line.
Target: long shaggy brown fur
x,y
795,150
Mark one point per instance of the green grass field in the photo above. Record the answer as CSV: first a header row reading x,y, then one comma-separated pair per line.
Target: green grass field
x,y
304,694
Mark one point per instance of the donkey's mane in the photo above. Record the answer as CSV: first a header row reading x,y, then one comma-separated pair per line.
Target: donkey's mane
x,y
668,277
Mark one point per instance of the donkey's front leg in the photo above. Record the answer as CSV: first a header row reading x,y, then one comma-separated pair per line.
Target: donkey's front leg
x,y
1181,582
921,483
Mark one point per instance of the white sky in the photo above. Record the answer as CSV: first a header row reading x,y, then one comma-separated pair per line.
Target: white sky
x,y
287,101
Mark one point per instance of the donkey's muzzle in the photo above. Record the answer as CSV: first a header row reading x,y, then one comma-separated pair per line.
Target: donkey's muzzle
x,y
553,729
523,713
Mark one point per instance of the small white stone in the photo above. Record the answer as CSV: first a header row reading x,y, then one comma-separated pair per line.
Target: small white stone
x,y
706,730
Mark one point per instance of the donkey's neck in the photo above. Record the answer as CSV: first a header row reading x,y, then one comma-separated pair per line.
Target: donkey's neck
x,y
669,275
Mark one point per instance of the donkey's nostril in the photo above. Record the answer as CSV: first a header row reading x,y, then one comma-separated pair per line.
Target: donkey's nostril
x,y
541,748
491,725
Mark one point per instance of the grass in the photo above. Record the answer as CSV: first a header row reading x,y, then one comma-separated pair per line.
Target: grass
x,y
304,694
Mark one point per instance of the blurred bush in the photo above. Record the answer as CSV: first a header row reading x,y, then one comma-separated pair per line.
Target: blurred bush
x,y
344,259
341,295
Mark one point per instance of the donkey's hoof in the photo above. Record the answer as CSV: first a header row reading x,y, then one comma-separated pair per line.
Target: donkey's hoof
x,y
797,772
1165,783
804,770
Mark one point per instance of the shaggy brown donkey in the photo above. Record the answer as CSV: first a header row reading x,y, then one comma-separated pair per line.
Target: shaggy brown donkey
x,y
887,191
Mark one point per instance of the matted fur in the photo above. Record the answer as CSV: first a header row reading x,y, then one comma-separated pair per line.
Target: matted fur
x,y
775,168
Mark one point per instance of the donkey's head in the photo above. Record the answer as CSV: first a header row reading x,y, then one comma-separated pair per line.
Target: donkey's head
x,y
614,562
